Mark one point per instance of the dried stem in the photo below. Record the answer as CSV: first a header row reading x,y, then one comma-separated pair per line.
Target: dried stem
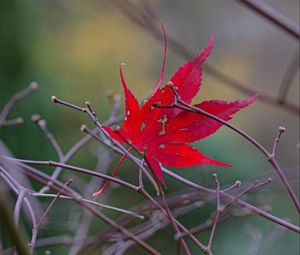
x,y
12,102
239,202
76,169
9,225
43,217
180,104
22,194
41,177
273,16
193,185
16,187
92,114
143,15
180,242
217,215
281,130
41,123
288,77
117,209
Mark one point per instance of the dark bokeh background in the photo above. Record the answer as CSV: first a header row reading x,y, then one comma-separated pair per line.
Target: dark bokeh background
x,y
73,50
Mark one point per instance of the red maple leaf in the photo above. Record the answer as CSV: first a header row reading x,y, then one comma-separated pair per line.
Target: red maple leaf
x,y
162,134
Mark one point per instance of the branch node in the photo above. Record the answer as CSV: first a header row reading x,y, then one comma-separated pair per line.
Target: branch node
x,y
35,117
83,128
54,99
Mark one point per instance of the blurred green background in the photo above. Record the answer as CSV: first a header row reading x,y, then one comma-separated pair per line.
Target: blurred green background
x,y
73,50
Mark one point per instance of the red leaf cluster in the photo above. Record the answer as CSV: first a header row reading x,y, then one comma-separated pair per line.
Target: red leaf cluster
x,y
162,134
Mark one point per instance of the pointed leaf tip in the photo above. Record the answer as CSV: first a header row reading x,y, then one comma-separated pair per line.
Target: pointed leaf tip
x,y
208,49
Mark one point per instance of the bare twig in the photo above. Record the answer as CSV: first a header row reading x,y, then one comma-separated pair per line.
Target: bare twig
x,y
180,242
77,169
42,218
11,103
41,123
217,214
143,15
180,104
16,121
44,178
16,187
281,130
191,184
21,196
87,217
10,227
273,16
117,209
239,202
288,77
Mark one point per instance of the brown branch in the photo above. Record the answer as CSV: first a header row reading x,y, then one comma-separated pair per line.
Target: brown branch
x,y
17,188
180,242
21,196
273,16
288,77
43,217
239,202
41,123
180,104
281,130
144,16
21,162
44,178
12,102
217,214
189,183
9,226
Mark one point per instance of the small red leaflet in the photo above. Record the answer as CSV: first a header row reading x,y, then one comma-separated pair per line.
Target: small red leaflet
x,y
162,134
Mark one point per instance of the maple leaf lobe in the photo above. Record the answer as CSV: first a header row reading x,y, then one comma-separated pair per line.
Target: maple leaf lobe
x,y
162,134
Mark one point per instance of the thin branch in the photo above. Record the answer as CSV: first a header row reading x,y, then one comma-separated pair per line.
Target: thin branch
x,y
205,226
75,148
92,114
13,100
16,187
189,234
21,196
281,130
41,123
74,168
117,209
44,178
237,184
217,215
43,217
273,16
13,122
87,217
179,103
193,185
239,202
180,242
9,226
288,77
255,184
143,15
142,191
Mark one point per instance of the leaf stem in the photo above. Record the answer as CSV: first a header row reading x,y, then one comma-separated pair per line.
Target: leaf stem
x,y
98,193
